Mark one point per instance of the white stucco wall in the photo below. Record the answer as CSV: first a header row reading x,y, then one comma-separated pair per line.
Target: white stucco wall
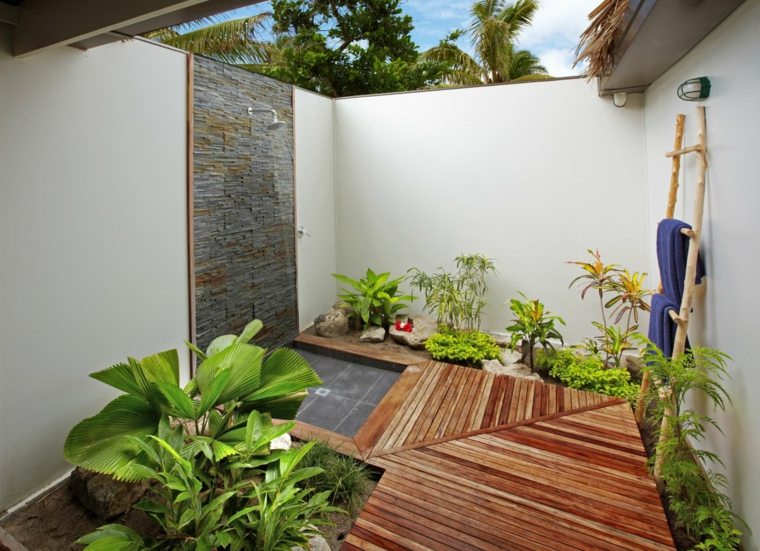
x,y
315,204
531,175
725,315
93,247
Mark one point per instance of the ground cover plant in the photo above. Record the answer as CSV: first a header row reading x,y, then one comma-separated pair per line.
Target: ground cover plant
x,y
462,347
588,372
533,324
207,447
345,480
375,298
623,294
456,299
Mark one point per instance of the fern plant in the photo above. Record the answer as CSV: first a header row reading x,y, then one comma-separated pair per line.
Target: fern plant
x,y
696,495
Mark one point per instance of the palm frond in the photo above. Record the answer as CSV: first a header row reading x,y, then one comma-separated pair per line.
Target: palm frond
x,y
598,40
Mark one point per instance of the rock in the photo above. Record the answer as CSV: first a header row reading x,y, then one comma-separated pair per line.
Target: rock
x,y
373,334
500,338
509,357
333,323
535,377
632,363
102,495
316,543
281,442
514,370
340,305
424,328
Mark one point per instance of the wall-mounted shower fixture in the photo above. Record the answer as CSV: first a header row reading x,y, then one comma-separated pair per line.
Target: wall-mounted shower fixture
x,y
275,124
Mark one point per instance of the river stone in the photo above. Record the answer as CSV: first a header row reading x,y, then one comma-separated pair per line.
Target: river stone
x,y
373,334
102,495
316,543
281,442
333,323
632,363
424,328
509,356
514,370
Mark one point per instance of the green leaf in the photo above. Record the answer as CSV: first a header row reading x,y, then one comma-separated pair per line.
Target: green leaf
x,y
99,444
250,331
180,404
119,376
220,343
284,372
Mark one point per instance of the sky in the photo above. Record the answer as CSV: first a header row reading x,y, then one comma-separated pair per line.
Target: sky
x,y
553,36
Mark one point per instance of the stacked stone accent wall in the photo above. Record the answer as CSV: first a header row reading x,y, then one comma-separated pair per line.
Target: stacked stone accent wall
x,y
244,222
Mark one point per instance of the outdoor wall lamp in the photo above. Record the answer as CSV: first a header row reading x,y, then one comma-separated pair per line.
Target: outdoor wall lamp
x,y
694,89
619,99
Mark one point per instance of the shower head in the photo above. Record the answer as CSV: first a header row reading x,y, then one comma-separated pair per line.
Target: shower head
x,y
275,124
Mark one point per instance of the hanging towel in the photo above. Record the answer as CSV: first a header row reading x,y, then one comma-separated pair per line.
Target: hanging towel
x,y
672,253
662,328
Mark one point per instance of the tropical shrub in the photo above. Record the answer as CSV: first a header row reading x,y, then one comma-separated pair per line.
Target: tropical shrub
x,y
345,480
532,325
456,299
589,373
214,496
625,295
375,299
462,347
233,379
695,494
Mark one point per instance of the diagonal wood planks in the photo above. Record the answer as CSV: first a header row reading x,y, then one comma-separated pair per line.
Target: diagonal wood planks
x,y
474,461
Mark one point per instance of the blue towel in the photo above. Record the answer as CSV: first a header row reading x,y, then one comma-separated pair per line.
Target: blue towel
x,y
662,329
672,253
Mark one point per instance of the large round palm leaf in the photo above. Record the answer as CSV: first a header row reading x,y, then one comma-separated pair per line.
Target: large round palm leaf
x,y
99,444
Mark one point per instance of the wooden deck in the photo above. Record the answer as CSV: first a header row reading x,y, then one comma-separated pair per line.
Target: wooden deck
x,y
474,461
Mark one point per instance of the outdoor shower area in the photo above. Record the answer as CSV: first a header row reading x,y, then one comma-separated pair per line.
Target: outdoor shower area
x,y
243,203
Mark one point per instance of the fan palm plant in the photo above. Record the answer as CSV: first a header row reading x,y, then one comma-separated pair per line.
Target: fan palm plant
x,y
232,41
493,29
233,379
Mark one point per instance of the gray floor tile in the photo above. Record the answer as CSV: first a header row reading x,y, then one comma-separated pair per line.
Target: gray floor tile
x,y
355,419
327,368
381,387
355,381
327,411
308,400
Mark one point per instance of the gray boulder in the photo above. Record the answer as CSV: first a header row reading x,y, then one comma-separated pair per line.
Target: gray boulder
x,y
332,323
102,495
373,334
424,328
509,356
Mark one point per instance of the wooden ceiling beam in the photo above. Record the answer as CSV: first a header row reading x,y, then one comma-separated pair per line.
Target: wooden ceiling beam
x,y
45,24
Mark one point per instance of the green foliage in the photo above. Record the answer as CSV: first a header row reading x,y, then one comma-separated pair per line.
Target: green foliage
x,y
695,494
233,379
456,299
345,479
375,299
589,373
532,325
626,296
462,347
212,495
349,47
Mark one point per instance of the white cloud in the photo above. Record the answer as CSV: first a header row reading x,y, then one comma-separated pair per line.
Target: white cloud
x,y
555,31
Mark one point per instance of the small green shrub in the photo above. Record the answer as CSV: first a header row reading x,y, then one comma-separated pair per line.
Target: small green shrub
x,y
532,325
589,373
375,299
462,347
345,479
457,299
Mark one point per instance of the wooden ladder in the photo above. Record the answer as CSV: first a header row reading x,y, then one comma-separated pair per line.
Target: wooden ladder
x,y
682,318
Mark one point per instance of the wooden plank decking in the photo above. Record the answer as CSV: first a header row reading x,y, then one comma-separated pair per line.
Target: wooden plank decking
x,y
474,461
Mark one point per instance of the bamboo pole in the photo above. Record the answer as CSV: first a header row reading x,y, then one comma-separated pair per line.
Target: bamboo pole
x,y
675,171
679,346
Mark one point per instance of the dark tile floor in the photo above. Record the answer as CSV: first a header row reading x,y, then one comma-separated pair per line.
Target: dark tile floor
x,y
349,394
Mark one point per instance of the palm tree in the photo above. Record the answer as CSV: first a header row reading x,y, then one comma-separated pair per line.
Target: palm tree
x,y
232,41
493,30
